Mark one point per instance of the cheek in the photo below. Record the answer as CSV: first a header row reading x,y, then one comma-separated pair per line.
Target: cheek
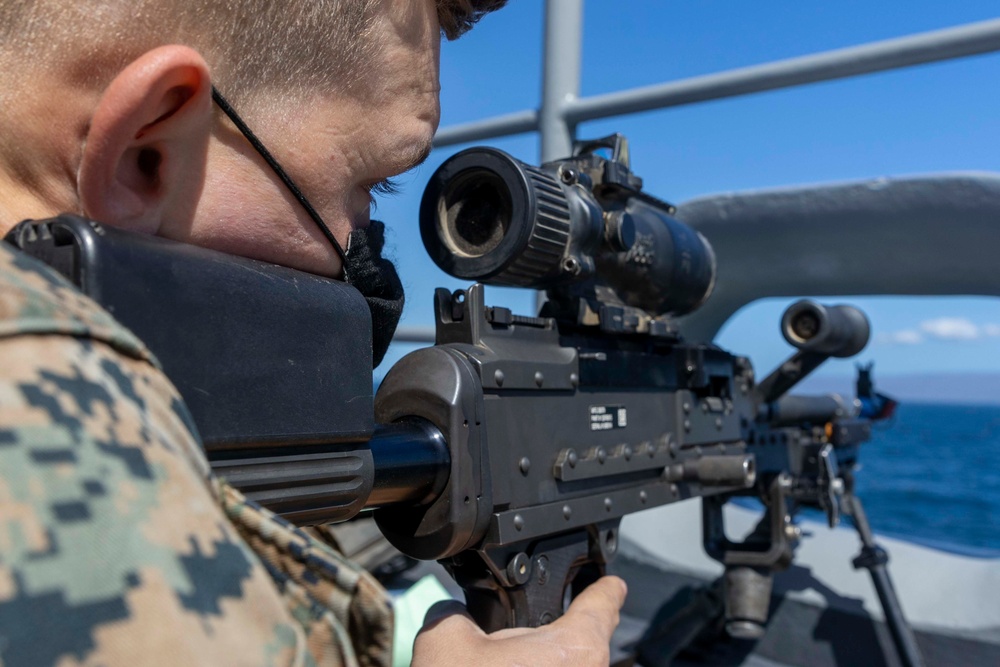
x,y
258,224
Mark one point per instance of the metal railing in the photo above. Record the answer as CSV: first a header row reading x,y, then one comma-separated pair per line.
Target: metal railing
x,y
562,109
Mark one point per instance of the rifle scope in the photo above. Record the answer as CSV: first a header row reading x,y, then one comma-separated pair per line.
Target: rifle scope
x,y
488,217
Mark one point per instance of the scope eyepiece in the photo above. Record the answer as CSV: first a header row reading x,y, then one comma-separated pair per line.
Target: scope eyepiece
x,y
839,331
476,212
486,216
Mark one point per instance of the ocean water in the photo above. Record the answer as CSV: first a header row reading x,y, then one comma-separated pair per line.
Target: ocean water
x,y
932,475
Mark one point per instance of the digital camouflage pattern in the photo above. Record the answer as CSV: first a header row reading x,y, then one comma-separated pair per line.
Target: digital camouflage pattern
x,y
315,579
117,545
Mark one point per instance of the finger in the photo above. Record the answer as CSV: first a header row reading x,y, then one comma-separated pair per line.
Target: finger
x,y
452,618
511,633
598,605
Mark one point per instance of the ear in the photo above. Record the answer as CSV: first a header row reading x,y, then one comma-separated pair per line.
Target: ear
x,y
143,164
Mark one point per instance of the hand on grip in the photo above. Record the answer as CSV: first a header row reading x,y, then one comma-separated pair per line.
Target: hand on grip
x,y
579,638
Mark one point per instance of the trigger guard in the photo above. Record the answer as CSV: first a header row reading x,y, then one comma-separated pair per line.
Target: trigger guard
x,y
524,584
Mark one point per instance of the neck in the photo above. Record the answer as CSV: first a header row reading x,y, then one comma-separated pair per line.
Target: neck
x,y
17,204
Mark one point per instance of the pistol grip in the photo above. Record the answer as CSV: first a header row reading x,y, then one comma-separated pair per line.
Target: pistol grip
x,y
525,585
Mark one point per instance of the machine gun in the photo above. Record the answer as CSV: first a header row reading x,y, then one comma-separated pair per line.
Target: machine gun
x,y
511,449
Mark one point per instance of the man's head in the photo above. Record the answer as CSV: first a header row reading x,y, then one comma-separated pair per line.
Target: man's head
x,y
106,109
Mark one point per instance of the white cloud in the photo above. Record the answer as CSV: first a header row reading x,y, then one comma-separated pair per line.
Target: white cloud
x,y
942,328
904,337
951,328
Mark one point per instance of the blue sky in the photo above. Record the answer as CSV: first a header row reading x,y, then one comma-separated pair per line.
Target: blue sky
x,y
932,118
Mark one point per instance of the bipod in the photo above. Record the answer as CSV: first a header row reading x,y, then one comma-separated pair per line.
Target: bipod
x,y
875,559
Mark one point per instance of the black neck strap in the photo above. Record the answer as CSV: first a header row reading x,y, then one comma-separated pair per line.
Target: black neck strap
x,y
273,164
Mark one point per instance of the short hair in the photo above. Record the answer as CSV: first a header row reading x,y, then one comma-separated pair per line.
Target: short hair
x,y
458,16
250,44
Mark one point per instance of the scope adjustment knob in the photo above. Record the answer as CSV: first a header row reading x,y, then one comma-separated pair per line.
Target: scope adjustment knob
x,y
619,230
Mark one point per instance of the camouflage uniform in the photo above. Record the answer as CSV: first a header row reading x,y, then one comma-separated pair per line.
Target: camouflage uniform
x,y
117,545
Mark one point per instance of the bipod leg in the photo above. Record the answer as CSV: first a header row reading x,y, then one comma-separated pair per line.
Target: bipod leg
x,y
874,559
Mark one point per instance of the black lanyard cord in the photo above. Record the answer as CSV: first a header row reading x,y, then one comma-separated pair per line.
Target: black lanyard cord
x,y
273,164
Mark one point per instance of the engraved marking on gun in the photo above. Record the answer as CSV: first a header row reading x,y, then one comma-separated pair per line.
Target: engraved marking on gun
x,y
607,417
643,250
599,462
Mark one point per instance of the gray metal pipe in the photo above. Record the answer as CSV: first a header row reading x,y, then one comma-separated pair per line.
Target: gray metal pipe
x,y
560,75
966,40
414,335
499,126
915,235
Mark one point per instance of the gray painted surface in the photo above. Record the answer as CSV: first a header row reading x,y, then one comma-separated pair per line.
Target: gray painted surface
x,y
923,235
938,591
833,629
798,633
